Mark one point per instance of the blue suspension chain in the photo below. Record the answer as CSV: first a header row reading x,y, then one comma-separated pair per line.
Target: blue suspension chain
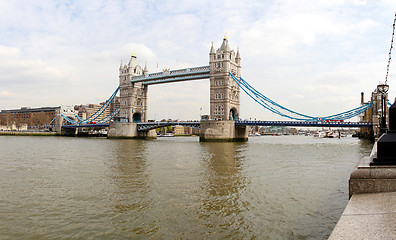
x,y
97,113
272,106
390,51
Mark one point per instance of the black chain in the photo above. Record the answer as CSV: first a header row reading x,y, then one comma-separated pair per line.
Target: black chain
x,y
390,51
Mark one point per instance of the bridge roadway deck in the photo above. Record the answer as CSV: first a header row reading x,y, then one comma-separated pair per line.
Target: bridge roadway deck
x,y
196,124
153,125
100,125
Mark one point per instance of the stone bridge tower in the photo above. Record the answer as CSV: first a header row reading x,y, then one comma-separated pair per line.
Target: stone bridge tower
x,y
224,97
224,92
374,114
133,96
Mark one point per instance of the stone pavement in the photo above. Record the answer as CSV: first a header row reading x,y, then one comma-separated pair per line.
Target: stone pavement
x,y
368,216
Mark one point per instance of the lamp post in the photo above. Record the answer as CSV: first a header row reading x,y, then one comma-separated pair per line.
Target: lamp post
x,y
386,144
383,89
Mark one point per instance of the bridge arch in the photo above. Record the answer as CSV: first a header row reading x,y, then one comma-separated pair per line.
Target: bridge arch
x,y
137,117
234,115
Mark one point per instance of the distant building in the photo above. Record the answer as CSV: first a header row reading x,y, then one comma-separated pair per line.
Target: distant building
x,y
114,104
85,111
27,118
180,130
16,119
373,114
13,127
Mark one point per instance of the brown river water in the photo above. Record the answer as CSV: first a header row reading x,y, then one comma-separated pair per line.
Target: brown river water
x,y
271,187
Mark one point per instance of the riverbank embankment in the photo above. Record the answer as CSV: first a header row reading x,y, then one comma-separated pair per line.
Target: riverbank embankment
x,y
14,133
371,210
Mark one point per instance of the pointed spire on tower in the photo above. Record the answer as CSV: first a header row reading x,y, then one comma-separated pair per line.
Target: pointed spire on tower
x,y
238,57
133,62
145,71
121,65
227,46
212,51
224,46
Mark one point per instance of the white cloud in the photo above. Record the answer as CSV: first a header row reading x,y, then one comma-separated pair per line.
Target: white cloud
x,y
303,54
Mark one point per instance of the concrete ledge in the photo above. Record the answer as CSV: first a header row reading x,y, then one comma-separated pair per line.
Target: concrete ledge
x,y
371,211
372,179
28,133
368,216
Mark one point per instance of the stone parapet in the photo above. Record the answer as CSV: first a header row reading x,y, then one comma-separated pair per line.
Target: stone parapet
x,y
372,179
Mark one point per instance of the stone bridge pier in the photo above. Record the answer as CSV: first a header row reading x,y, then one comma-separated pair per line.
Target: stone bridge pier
x,y
222,131
129,130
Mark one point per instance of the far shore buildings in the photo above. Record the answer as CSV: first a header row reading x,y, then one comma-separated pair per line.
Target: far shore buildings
x,y
84,111
25,118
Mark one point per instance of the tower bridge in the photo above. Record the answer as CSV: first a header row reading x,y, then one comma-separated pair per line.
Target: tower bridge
x,y
224,95
223,123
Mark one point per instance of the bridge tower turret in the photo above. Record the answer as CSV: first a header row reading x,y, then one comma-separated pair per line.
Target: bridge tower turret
x,y
224,92
133,96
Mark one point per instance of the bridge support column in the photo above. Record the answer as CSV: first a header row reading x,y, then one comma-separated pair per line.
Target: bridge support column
x,y
129,130
58,126
58,122
222,131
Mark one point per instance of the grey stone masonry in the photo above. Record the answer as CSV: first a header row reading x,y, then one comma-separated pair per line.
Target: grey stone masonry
x,y
224,92
372,179
129,130
133,96
222,131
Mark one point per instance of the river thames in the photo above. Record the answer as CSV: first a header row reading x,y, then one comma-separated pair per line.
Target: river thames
x,y
271,187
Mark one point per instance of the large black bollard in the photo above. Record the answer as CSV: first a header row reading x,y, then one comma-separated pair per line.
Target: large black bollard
x,y
386,144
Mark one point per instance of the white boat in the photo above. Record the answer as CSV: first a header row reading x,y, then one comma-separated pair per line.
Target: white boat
x,y
331,134
166,135
319,134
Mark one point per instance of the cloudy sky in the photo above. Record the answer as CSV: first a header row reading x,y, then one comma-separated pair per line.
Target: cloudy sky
x,y
313,56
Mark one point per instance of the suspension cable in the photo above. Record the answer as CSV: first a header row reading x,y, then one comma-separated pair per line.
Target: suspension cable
x,y
390,51
285,112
